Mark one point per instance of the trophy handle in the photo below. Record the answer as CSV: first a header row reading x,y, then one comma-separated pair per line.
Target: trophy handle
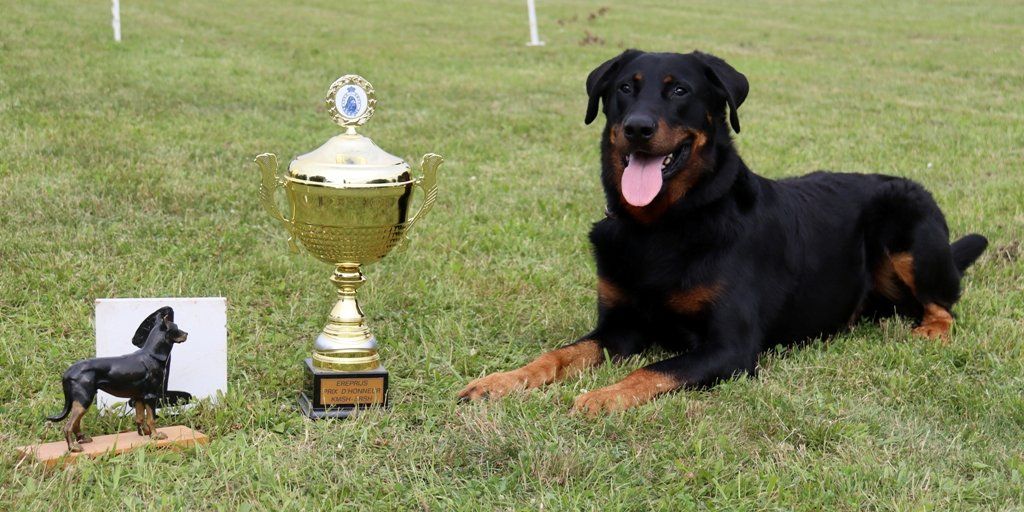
x,y
428,182
269,183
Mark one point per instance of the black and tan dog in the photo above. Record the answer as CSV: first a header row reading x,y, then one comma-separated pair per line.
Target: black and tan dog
x,y
703,257
139,376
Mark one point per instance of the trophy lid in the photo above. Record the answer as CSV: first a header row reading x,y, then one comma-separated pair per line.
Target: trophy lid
x,y
349,160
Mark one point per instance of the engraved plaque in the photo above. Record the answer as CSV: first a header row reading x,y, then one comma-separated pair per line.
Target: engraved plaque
x,y
334,394
350,391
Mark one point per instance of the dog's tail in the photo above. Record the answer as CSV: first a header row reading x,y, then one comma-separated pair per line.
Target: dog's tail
x,y
967,249
67,403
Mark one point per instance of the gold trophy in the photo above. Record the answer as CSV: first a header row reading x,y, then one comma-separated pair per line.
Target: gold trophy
x,y
348,203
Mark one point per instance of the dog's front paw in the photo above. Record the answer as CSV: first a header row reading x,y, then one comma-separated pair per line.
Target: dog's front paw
x,y
159,435
75,447
935,324
82,438
607,399
932,332
494,385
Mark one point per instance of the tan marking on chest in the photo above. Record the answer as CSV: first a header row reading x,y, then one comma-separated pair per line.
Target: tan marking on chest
x,y
694,300
608,294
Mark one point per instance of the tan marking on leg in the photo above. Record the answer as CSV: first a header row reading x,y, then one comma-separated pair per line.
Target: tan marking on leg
x,y
140,417
550,367
637,388
147,425
151,421
77,428
935,324
885,280
903,266
693,300
892,270
74,426
608,294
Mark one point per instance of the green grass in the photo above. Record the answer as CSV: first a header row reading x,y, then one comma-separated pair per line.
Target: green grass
x,y
125,170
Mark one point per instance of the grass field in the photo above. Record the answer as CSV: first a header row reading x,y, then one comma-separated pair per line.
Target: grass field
x,y
126,170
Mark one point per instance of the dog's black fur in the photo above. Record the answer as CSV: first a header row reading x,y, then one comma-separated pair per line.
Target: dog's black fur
x,y
724,264
140,376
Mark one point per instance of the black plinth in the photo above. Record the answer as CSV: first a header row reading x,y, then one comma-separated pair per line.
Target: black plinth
x,y
333,394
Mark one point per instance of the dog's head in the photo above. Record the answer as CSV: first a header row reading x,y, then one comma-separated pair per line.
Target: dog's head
x,y
172,332
664,113
160,322
151,321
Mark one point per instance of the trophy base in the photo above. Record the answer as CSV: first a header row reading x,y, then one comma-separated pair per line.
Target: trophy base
x,y
334,394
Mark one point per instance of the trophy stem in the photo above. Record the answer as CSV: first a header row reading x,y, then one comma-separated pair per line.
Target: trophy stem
x,y
346,343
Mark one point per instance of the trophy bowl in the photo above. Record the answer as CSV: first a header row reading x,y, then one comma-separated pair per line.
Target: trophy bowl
x,y
348,204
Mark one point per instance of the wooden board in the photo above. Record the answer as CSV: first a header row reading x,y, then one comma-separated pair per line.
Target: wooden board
x,y
51,454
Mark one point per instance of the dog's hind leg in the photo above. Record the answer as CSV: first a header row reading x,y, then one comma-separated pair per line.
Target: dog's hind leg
x,y
79,436
928,271
73,428
151,423
917,270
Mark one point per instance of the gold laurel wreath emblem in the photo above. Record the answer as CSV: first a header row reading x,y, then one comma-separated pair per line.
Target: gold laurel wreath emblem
x,y
332,106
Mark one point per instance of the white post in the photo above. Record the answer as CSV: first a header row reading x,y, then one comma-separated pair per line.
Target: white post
x,y
116,11
534,38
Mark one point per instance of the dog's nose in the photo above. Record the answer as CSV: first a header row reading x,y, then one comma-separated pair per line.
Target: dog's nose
x,y
639,127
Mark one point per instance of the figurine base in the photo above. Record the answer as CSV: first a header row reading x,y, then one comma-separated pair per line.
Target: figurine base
x,y
52,454
334,394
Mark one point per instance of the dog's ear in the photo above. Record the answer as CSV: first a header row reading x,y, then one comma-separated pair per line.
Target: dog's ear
x,y
730,83
168,317
597,81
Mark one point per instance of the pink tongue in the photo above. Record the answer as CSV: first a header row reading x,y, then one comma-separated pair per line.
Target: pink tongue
x,y
641,180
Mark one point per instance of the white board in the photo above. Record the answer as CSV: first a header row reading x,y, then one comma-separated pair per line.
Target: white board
x,y
198,366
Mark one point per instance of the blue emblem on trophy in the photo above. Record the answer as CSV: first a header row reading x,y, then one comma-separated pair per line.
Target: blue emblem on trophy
x,y
351,106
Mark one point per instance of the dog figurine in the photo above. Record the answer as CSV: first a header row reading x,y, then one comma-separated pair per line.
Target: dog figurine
x,y
140,377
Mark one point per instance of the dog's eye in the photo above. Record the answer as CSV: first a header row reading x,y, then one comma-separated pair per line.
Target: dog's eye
x,y
626,88
680,91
